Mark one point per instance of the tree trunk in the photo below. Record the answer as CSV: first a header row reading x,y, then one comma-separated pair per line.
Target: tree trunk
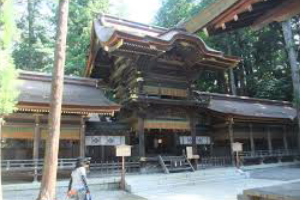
x,y
232,82
222,82
288,37
47,190
243,90
231,74
1,121
30,11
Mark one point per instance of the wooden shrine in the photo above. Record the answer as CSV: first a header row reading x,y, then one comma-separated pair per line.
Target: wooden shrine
x,y
151,73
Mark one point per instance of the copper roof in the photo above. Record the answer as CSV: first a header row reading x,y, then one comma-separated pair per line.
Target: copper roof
x,y
115,35
246,107
80,95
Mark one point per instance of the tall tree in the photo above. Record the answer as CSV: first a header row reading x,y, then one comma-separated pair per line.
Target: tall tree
x,y
8,74
48,185
290,46
82,15
34,48
264,72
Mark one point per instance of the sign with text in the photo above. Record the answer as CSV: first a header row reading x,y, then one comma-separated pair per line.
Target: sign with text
x,y
237,147
104,140
123,150
200,140
189,152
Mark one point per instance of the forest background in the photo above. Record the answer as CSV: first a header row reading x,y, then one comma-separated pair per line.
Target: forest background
x,y
263,73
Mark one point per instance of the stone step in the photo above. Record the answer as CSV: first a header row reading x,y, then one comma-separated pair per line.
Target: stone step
x,y
180,169
203,174
169,185
170,180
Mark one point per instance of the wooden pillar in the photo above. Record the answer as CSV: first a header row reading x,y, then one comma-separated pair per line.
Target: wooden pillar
x,y
230,131
141,116
192,119
285,142
211,146
231,137
141,135
193,134
270,148
36,145
175,145
252,143
37,138
82,138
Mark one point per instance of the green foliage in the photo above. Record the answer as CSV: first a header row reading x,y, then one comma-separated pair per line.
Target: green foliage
x,y
82,14
6,24
173,12
34,49
264,71
8,83
8,74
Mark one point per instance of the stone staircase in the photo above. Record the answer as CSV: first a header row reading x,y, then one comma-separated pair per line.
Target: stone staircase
x,y
175,164
162,182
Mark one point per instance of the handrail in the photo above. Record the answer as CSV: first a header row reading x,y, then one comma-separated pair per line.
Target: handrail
x,y
162,163
190,164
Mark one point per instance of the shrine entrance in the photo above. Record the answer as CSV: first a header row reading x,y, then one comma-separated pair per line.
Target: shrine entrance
x,y
163,142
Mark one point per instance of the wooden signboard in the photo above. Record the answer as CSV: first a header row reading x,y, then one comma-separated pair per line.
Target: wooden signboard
x,y
237,147
123,150
189,153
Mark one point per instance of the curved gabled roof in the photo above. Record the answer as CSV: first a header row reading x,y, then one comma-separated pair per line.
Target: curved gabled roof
x,y
116,35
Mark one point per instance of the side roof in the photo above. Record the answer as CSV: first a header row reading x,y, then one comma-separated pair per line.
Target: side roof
x,y
80,95
248,108
119,36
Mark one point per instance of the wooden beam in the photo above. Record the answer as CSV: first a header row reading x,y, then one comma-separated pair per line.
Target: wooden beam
x,y
242,6
200,20
282,12
221,125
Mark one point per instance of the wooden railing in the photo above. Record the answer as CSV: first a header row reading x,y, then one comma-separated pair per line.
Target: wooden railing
x,y
214,162
114,168
31,165
267,153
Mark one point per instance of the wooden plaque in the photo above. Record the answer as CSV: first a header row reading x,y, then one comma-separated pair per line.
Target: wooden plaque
x,y
237,147
123,150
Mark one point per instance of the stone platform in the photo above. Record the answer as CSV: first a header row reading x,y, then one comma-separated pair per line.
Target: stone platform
x,y
290,191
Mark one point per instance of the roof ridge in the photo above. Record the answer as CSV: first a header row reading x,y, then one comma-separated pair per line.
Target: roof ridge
x,y
246,98
137,24
31,75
